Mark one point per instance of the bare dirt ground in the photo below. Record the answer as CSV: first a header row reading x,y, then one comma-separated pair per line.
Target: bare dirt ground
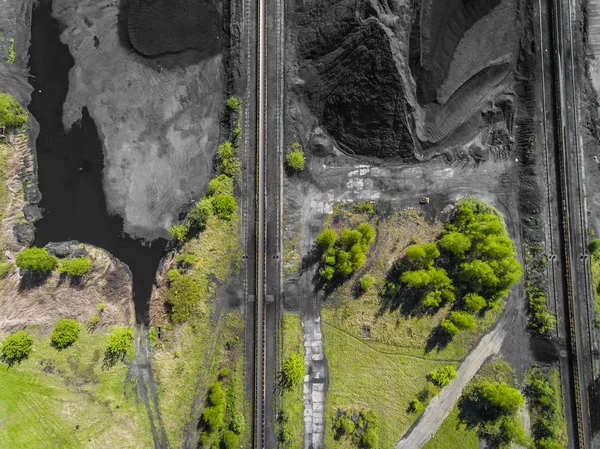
x,y
158,118
27,301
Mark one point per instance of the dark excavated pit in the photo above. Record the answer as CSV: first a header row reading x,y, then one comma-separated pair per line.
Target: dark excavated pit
x,y
70,165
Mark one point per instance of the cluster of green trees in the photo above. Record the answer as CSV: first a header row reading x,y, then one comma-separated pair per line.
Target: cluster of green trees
x,y
546,410
12,115
219,200
540,321
222,423
343,254
492,409
294,158
438,379
473,264
360,428
39,260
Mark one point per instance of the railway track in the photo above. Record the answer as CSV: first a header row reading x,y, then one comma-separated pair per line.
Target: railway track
x,y
570,225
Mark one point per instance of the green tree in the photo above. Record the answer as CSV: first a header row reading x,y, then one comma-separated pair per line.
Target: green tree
x,y
198,215
422,255
368,234
485,401
463,320
327,238
178,232
229,163
36,259
366,282
119,343
455,242
16,347
443,376
221,185
449,327
183,296
230,440
216,395
327,272
75,267
295,160
293,371
224,206
12,115
474,302
65,333
478,275
233,104
213,417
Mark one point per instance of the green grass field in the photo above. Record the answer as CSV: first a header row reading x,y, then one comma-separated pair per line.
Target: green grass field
x,y
66,399
293,401
361,377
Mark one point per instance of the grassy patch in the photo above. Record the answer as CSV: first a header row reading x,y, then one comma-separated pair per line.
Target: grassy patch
x,y
362,377
293,400
65,399
184,357
595,263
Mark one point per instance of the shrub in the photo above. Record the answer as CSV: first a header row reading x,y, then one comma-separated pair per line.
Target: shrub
x,y
173,275
221,185
233,104
11,52
187,259
230,440
216,395
5,268
327,272
12,115
416,406
16,347
36,259
327,238
594,248
213,417
182,297
75,267
237,423
198,215
449,327
229,164
178,232
369,439
93,321
442,377
224,206
295,160
474,302
293,371
344,426
366,282
119,342
65,333
463,320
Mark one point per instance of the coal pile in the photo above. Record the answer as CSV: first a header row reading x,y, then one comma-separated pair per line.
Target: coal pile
x,y
156,27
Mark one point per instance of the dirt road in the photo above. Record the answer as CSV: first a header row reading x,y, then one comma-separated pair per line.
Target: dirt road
x,y
440,406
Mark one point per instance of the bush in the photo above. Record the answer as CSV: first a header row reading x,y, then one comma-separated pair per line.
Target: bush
x,y
119,342
295,160
463,320
224,206
213,417
93,321
36,259
221,185
178,232
11,52
198,215
182,297
442,377
229,164
327,238
293,371
449,327
5,268
16,347
230,440
12,115
233,104
237,423
416,406
76,267
366,282
474,302
187,259
65,333
369,439
216,395
594,248
173,275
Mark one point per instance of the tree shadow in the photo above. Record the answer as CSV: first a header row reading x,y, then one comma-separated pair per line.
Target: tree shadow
x,y
438,339
33,279
312,258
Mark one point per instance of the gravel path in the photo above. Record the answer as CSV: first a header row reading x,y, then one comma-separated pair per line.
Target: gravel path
x,y
441,405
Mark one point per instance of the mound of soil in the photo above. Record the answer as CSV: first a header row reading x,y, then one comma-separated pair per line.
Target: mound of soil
x,y
170,26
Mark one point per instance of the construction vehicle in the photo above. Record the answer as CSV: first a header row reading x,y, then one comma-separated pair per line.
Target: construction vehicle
x,y
424,200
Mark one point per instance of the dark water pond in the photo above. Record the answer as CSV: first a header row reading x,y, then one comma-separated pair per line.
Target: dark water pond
x,y
70,166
